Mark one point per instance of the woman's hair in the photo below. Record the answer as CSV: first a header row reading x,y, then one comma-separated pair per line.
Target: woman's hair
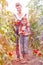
x,y
17,4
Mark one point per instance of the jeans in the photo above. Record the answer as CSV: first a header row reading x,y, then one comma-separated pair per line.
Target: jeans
x,y
17,41
24,43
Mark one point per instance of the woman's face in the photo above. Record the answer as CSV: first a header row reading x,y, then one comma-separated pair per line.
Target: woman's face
x,y
18,8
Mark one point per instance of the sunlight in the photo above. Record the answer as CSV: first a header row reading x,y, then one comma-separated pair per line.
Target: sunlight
x,y
11,5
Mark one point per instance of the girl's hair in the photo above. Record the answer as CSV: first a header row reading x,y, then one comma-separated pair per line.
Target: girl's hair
x,y
24,18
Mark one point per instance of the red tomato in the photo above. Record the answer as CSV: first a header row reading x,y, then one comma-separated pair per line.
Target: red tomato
x,y
18,23
10,53
23,32
35,51
39,54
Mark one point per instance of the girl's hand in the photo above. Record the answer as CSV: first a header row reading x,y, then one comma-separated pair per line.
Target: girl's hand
x,y
22,32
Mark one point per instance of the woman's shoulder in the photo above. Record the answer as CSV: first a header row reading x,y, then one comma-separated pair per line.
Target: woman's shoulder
x,y
23,15
15,15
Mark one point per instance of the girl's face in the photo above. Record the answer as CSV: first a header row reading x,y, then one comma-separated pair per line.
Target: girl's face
x,y
19,8
24,21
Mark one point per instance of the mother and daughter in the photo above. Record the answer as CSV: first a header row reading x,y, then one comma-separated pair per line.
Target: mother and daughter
x,y
22,29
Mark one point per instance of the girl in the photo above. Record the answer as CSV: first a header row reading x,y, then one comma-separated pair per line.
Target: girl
x,y
24,32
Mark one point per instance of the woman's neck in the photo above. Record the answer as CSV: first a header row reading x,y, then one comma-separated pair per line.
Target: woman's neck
x,y
19,13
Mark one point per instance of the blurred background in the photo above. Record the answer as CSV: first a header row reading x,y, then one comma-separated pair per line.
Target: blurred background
x,y
34,10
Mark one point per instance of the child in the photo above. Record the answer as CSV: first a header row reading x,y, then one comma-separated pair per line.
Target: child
x,y
24,32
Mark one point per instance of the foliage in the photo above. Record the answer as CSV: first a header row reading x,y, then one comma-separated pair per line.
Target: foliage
x,y
35,12
6,28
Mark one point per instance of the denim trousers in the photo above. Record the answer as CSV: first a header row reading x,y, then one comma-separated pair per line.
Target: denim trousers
x,y
24,43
